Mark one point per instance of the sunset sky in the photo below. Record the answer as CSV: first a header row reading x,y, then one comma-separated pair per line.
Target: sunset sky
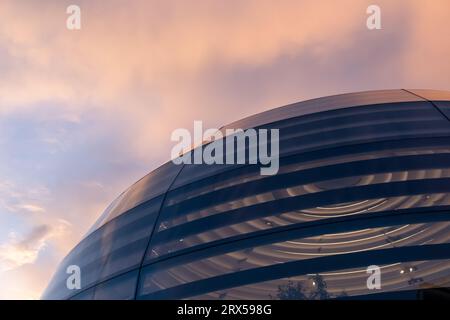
x,y
85,113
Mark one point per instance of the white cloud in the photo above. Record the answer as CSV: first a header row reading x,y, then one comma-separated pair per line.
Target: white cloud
x,y
17,252
31,207
20,250
15,198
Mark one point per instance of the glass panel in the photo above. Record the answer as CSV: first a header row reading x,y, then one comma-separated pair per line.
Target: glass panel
x,y
340,127
325,104
153,184
251,173
116,247
85,295
223,203
183,238
105,216
343,243
410,278
444,107
119,288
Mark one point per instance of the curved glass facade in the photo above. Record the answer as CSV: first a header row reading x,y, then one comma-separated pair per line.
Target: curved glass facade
x,y
364,180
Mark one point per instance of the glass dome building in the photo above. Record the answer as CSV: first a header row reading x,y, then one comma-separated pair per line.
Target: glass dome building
x,y
364,180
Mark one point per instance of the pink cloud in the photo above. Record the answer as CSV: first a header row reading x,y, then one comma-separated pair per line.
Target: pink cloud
x,y
138,70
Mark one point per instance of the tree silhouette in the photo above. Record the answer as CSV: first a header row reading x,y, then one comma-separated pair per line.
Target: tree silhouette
x,y
291,291
296,290
320,289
